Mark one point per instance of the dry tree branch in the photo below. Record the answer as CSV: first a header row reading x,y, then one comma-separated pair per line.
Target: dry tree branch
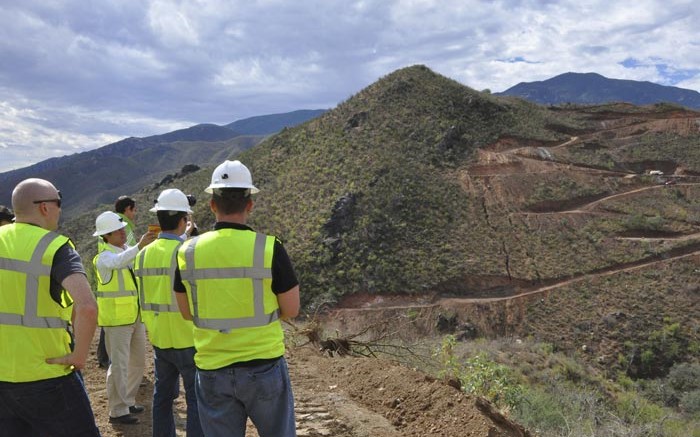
x,y
371,341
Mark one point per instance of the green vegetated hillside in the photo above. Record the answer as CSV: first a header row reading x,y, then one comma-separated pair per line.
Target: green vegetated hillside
x,y
371,197
420,185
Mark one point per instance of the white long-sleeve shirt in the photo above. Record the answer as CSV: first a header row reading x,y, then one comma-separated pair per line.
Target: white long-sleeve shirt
x,y
109,261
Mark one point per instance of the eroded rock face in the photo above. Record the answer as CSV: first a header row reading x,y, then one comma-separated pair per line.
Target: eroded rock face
x,y
342,219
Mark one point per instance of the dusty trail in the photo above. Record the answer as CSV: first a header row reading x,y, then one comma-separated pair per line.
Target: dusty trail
x,y
447,302
340,397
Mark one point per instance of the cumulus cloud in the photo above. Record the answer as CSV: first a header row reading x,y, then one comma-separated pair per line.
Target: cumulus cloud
x,y
75,78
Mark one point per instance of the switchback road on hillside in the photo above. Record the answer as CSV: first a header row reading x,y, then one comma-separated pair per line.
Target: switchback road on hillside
x,y
447,301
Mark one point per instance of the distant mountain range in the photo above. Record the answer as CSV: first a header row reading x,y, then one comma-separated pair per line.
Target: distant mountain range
x,y
98,176
592,88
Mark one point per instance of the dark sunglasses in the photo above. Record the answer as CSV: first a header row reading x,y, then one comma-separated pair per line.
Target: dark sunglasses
x,y
57,201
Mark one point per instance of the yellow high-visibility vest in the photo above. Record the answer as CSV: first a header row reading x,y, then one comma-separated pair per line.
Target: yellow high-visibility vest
x,y
33,327
155,269
129,229
228,277
117,300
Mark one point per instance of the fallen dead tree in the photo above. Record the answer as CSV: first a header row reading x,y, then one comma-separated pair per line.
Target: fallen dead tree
x,y
372,341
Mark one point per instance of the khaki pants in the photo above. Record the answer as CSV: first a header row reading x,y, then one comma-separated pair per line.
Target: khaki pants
x,y
126,346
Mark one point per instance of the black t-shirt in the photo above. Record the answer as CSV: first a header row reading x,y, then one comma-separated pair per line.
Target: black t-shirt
x,y
283,276
66,261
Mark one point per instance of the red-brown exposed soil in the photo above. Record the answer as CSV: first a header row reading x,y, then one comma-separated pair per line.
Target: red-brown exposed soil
x,y
342,397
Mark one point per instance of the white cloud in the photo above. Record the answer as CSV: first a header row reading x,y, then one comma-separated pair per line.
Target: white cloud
x,y
30,133
172,25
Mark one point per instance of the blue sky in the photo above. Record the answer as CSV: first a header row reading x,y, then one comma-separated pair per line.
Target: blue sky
x,y
78,75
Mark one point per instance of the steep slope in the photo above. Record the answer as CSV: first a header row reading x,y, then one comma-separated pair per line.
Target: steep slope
x,y
370,195
592,88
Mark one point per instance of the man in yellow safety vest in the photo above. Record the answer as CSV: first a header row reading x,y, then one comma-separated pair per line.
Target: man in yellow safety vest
x,y
172,336
41,274
117,300
237,285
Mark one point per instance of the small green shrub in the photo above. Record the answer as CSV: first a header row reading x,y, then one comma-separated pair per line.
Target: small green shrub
x,y
479,376
685,377
654,357
690,403
634,409
542,412
483,377
449,365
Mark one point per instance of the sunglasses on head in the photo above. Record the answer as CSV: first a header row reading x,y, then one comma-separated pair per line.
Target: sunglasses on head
x,y
57,201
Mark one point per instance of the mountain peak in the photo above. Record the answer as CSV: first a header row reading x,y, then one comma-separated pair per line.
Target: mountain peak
x,y
593,88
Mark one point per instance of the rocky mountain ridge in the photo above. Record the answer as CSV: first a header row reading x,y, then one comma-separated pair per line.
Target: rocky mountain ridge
x,y
594,89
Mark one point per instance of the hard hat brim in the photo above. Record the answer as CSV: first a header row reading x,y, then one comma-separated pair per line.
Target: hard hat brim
x,y
210,188
105,232
156,209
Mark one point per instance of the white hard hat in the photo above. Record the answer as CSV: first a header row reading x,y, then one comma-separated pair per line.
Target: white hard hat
x,y
231,174
108,222
172,199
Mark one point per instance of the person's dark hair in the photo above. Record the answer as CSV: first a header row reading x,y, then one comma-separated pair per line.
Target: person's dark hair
x,y
231,200
168,220
122,203
6,214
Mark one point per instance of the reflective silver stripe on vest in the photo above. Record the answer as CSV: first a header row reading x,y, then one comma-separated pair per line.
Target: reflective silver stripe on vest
x,y
232,273
122,291
257,273
33,269
158,271
114,294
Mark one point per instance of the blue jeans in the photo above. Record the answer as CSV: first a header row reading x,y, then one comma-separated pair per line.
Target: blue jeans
x,y
227,397
169,365
56,407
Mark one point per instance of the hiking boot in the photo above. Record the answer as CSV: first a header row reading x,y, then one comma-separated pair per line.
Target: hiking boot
x,y
126,419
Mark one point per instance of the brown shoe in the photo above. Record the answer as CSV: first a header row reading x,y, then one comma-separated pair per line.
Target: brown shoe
x,y
126,419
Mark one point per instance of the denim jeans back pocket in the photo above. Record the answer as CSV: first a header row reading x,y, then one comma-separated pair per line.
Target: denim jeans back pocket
x,y
212,383
268,381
